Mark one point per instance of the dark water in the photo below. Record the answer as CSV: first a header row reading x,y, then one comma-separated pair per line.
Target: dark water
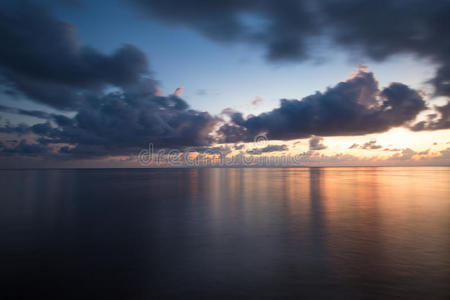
x,y
334,233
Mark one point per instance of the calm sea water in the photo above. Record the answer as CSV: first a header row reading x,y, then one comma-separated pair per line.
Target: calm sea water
x,y
319,233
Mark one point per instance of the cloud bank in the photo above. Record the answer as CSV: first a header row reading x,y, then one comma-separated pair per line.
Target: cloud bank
x,y
353,107
122,123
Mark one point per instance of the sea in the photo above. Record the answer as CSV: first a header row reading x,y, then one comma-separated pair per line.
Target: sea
x,y
225,233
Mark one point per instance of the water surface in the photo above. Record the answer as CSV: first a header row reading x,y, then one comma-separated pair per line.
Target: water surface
x,y
318,233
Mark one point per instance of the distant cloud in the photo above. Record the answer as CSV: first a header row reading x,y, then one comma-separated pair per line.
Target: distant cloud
x,y
23,148
201,92
227,111
406,154
257,101
268,149
222,150
371,145
205,92
178,92
316,143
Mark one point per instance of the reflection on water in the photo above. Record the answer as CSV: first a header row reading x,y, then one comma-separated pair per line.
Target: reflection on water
x,y
226,233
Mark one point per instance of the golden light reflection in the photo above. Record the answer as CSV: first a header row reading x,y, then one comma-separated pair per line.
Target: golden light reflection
x,y
362,210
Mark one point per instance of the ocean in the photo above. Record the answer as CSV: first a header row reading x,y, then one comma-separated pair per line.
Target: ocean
x,y
291,233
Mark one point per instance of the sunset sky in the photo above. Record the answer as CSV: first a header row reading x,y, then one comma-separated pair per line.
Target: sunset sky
x,y
93,83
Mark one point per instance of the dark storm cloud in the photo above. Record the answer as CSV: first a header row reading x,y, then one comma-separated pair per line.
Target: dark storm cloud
x,y
380,29
19,129
268,149
43,58
288,29
316,143
123,123
287,25
45,130
352,107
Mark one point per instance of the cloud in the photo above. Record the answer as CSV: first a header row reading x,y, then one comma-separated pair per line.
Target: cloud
x,y
23,148
268,149
316,143
289,30
257,101
43,58
286,24
353,107
221,150
122,123
371,145
31,113
439,120
239,147
382,29
406,154
178,92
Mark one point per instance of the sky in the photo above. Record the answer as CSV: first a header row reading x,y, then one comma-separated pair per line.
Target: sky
x,y
96,83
